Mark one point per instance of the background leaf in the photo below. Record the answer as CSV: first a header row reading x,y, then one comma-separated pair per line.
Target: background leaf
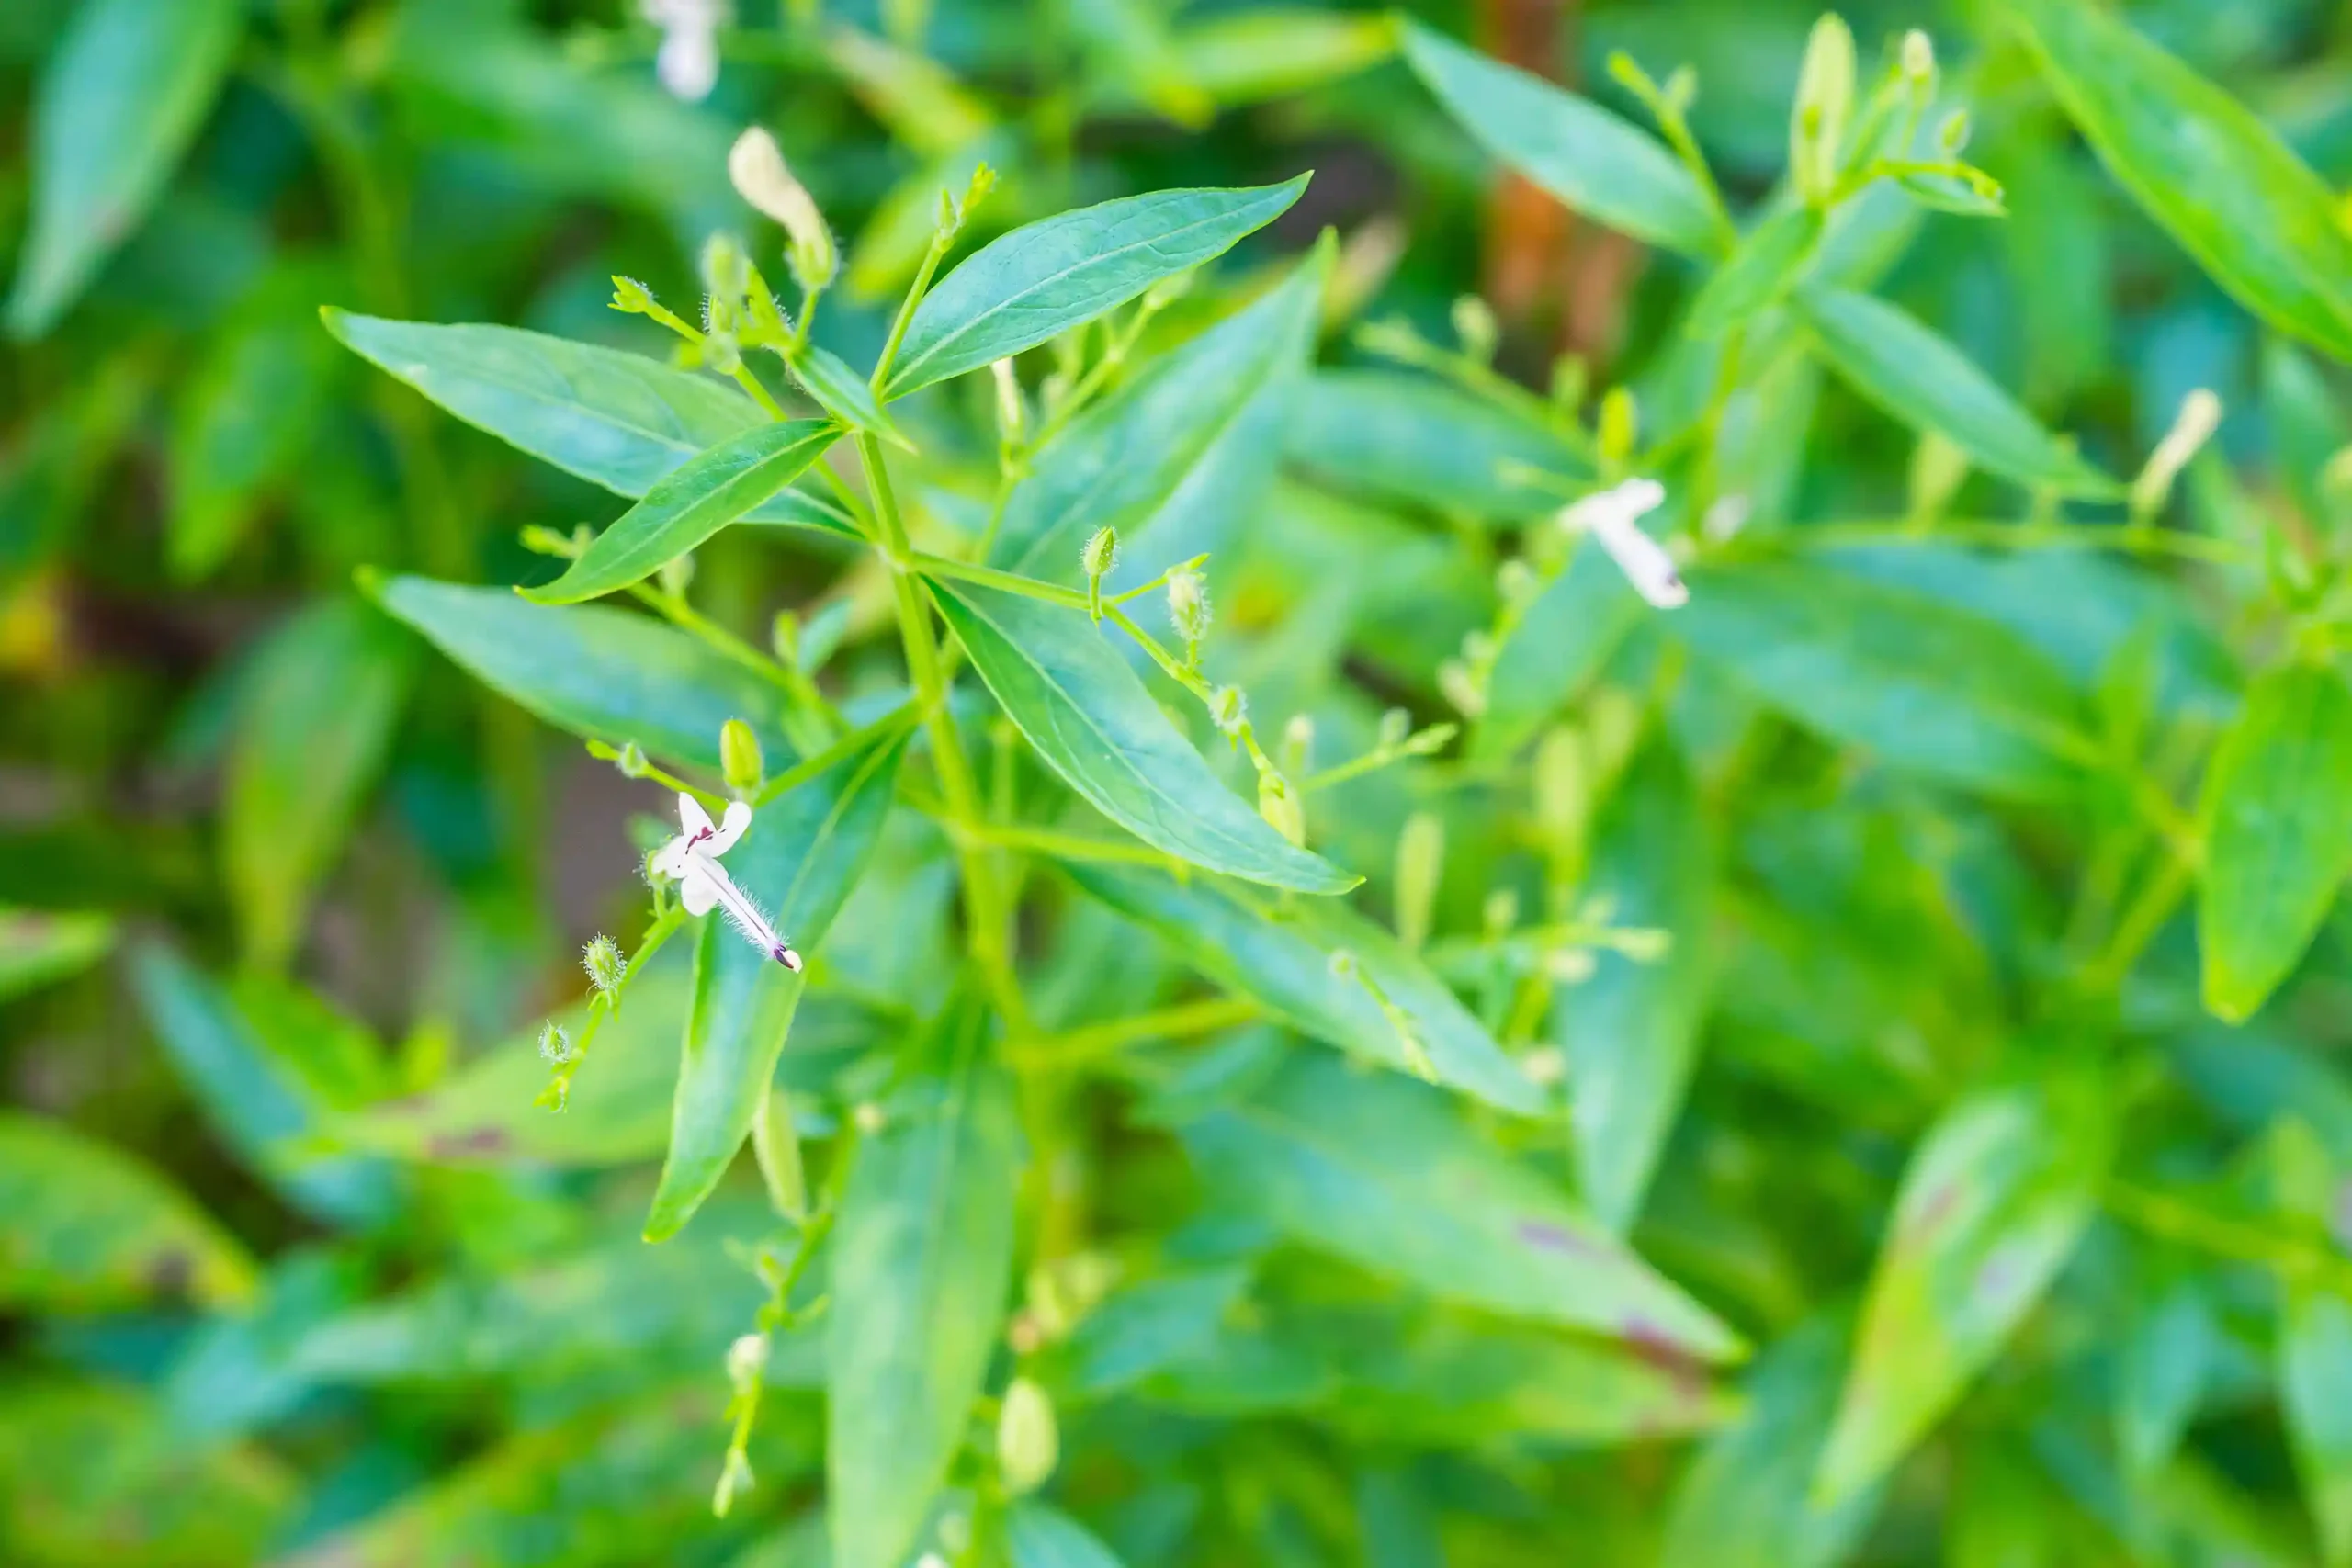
x,y
1395,436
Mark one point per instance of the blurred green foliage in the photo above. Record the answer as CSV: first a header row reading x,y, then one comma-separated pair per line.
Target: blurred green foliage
x,y
1485,820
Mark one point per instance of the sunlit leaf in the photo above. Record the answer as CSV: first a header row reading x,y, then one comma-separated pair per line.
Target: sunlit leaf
x,y
1755,275
37,949
1395,435
1038,1537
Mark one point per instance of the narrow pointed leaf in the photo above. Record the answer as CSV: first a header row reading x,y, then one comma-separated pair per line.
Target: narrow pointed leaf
x,y
1177,457
607,674
1754,277
1047,277
689,505
1038,1537
1089,718
800,857
2165,1355
923,1258
618,419
2315,1392
38,948
315,723
2278,815
1928,687
1598,163
843,392
1989,1210
1281,957
1398,436
1915,375
86,1228
1631,1030
1382,1172
2255,216
130,84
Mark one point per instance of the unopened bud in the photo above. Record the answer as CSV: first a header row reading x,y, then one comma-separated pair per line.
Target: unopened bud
x,y
1952,134
2200,417
747,1358
1421,865
1475,327
726,273
1188,609
1569,966
739,760
1229,710
1011,408
1423,742
630,296
1918,59
1500,912
631,761
1394,726
1825,101
1100,554
1028,1444
761,177
1298,744
1563,794
555,1044
1620,426
784,637
1516,583
607,968
1544,1066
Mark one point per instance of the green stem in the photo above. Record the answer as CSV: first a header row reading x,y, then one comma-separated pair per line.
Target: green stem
x,y
931,256
1076,1047
2163,1214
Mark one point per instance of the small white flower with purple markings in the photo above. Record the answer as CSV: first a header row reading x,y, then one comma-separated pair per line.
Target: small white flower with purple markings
x,y
691,859
688,61
1613,517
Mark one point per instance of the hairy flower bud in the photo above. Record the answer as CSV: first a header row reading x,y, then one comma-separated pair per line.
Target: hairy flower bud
x,y
739,756
762,177
1028,1443
607,968
630,296
555,1044
1188,609
747,1358
1919,58
1229,710
631,761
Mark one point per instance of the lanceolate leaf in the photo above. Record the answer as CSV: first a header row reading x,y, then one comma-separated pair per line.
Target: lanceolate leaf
x,y
1598,163
1757,274
608,674
1089,718
1988,1212
802,855
1043,279
689,505
923,1258
1381,1171
1178,457
2265,226
1928,687
315,720
84,1227
1396,435
118,102
843,392
1038,1537
1916,376
1282,958
1631,1030
36,948
2315,1390
618,419
1562,643
2277,834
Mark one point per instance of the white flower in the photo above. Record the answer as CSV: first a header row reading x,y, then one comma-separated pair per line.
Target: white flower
x,y
688,60
691,859
1612,516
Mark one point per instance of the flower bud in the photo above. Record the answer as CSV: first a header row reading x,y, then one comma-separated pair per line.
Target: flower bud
x,y
726,272
1621,425
1544,1066
761,177
1028,1446
1394,726
1500,912
630,296
555,1044
1420,865
1100,554
1569,966
1825,102
739,760
631,761
1919,59
1279,803
1011,408
607,968
784,637
1474,325
1563,794
747,1358
1952,134
1298,744
1188,609
1478,649
1230,711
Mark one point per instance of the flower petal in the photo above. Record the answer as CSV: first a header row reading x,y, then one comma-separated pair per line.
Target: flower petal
x,y
730,828
692,817
669,860
699,893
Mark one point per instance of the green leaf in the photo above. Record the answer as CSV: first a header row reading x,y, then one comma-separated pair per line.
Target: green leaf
x,y
1631,1030
314,723
245,415
1743,1503
1281,957
843,392
1916,376
923,1260
2266,227
2315,1392
1598,163
1567,636
1380,1171
86,1228
1046,278
1092,722
1248,57
609,674
36,947
1396,436
264,1090
2277,813
804,851
119,101
2163,1359
618,419
1928,687
1143,1329
1989,1210
689,505
1755,275
1177,457
1038,1537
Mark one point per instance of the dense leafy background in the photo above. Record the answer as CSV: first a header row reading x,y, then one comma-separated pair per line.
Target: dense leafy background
x,y
1882,1020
